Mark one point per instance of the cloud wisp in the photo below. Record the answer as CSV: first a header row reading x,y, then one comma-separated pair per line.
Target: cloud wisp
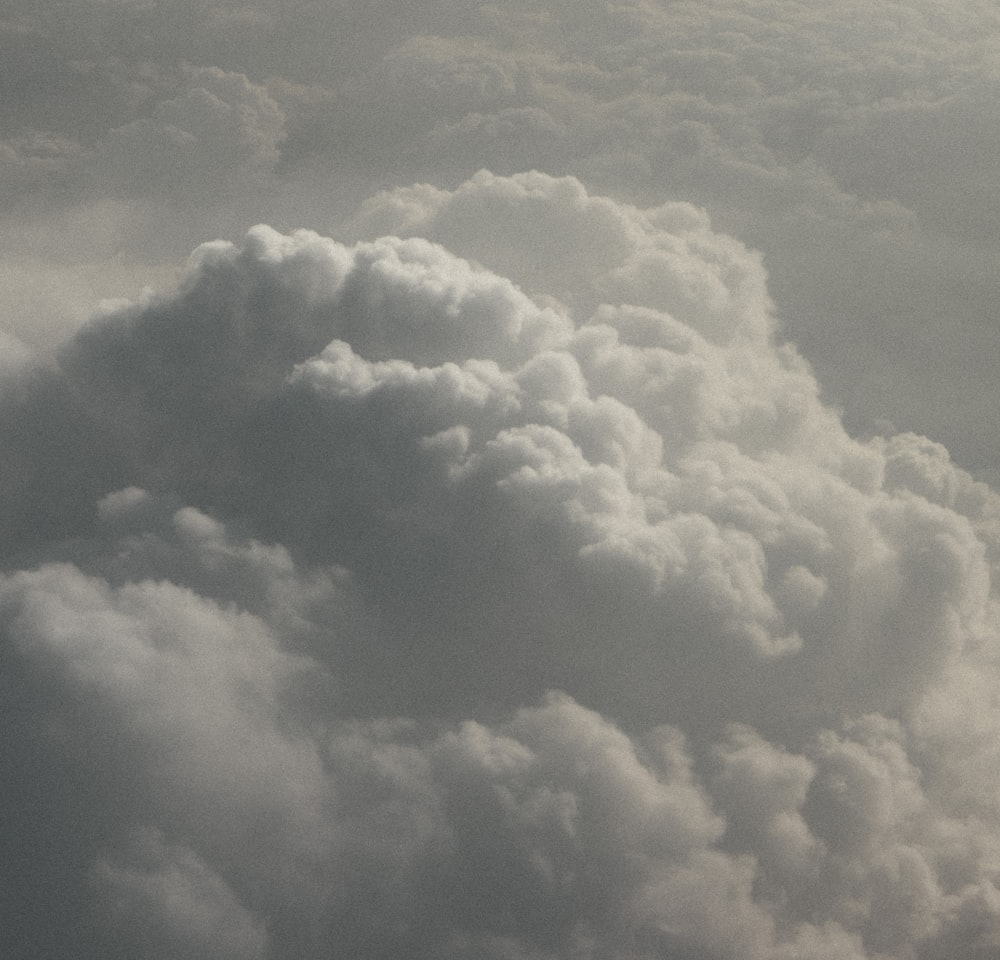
x,y
498,588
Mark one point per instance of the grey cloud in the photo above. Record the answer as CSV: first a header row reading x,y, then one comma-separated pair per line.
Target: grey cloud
x,y
795,127
495,580
218,130
166,903
205,130
393,603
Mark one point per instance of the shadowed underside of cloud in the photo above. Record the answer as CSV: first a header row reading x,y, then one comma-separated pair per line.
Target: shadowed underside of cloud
x,y
436,596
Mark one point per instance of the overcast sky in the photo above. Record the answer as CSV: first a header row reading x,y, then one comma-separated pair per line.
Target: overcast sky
x,y
499,482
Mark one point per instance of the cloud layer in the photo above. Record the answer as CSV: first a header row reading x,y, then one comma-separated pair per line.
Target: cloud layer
x,y
498,588
854,146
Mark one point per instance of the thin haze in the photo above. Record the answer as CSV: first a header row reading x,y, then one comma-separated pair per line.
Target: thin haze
x,y
499,482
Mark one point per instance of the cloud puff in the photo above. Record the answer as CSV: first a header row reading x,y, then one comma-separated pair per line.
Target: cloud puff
x,y
400,605
553,237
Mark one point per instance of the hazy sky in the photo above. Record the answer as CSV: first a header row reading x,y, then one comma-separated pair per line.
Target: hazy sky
x,y
499,482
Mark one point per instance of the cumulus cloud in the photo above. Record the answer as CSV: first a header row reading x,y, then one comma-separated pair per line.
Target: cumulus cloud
x,y
381,599
853,146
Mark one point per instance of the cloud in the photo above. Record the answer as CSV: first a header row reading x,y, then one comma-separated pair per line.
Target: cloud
x,y
218,131
199,128
385,600
169,904
827,139
550,235
494,580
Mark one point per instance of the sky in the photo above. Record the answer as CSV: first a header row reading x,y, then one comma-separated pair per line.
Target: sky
x,y
499,481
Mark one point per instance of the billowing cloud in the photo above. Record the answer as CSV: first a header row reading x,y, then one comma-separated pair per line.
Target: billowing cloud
x,y
501,587
853,146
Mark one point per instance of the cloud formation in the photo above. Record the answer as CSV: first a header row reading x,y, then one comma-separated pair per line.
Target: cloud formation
x,y
827,138
502,588
853,146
